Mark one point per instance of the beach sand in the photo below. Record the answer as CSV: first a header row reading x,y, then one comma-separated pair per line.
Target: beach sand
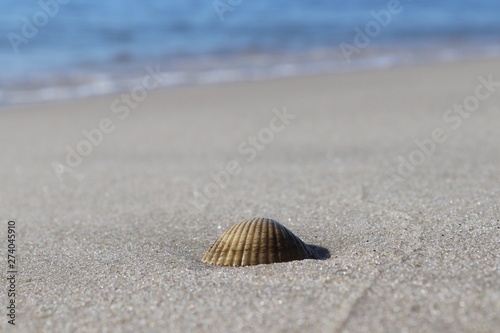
x,y
115,244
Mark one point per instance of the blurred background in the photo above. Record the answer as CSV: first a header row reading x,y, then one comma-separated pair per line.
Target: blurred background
x,y
64,49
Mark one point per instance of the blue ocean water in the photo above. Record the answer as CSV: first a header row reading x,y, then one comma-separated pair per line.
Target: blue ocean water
x,y
54,49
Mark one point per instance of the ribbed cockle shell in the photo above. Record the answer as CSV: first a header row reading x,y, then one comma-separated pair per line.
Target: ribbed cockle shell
x,y
257,241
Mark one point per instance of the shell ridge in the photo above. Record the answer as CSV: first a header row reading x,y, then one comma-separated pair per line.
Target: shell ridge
x,y
223,249
242,244
228,252
276,232
270,242
285,243
211,251
257,240
236,242
214,248
246,258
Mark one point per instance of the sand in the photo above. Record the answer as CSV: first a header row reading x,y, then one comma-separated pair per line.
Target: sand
x,y
115,244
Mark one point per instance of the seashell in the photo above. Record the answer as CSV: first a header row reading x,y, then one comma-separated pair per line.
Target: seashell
x,y
257,241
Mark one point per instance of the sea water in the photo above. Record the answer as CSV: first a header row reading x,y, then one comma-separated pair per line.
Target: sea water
x,y
59,49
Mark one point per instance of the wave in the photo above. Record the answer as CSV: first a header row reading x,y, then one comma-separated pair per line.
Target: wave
x,y
122,76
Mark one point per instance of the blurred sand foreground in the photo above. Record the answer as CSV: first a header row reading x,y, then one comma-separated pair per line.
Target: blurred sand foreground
x,y
395,172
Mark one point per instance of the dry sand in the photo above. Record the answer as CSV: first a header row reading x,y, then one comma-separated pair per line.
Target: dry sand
x,y
116,246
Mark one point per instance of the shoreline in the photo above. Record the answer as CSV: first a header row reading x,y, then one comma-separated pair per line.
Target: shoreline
x,y
172,78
